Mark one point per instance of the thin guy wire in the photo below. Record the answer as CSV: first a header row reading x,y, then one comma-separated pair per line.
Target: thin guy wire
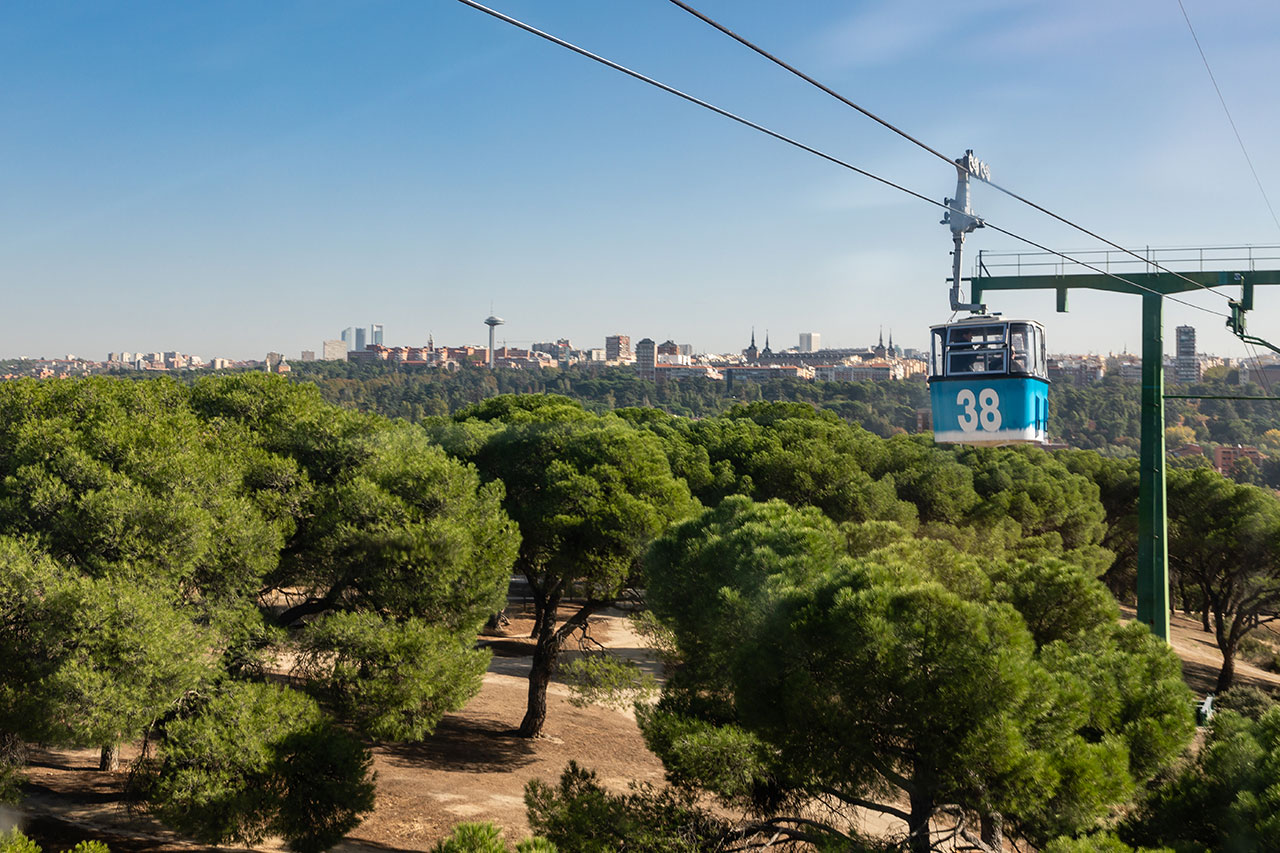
x,y
746,43
1257,362
1230,120
581,51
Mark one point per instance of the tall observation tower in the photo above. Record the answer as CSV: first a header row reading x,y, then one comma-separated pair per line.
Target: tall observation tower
x,y
492,321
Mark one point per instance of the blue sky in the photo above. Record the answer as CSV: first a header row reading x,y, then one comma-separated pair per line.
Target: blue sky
x,y
228,178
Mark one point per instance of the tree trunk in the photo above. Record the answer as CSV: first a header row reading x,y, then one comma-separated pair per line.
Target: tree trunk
x,y
109,758
992,830
545,652
539,612
920,840
1227,674
544,659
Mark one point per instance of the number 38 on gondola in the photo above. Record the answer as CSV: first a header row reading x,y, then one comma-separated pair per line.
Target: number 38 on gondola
x,y
988,382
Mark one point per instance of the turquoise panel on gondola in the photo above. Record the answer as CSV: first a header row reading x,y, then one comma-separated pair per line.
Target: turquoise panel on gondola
x,y
989,409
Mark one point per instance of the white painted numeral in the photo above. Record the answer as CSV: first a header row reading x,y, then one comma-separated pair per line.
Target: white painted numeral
x,y
969,417
980,412
989,403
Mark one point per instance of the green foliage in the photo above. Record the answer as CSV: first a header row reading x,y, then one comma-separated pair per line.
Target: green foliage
x,y
250,760
88,660
601,678
1249,702
589,494
14,841
911,673
1222,540
473,838
1055,598
486,838
404,529
1100,842
1227,798
393,680
156,539
578,814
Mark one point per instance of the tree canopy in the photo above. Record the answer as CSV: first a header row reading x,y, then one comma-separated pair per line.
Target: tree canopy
x,y
154,537
905,681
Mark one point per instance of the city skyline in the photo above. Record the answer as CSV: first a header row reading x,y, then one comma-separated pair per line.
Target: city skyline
x,y
228,178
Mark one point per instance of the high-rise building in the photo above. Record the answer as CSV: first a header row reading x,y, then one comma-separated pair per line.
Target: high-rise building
x,y
1186,364
647,359
349,337
810,341
334,350
308,355
361,339
618,348
375,332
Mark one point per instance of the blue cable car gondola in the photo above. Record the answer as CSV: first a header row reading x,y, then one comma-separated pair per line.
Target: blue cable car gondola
x,y
988,382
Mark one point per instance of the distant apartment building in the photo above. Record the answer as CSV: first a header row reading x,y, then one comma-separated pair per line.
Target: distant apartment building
x,y
810,342
560,350
334,350
308,355
1260,373
759,373
687,371
618,348
1076,369
1186,363
1226,456
647,359
871,371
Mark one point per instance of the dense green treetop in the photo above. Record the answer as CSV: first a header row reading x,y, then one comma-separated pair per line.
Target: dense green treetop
x,y
155,535
908,679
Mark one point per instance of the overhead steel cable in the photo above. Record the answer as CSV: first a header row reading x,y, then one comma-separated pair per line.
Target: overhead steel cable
x,y
1243,150
1226,110
935,152
581,51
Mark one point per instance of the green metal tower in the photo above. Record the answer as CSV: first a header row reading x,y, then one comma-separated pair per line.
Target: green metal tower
x,y
1121,273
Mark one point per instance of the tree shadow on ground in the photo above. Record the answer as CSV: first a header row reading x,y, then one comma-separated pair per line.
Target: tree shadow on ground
x,y
477,745
1202,678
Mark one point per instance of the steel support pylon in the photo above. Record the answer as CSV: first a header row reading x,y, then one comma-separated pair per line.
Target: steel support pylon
x,y
1153,538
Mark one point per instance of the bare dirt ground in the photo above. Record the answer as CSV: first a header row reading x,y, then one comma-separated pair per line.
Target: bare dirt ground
x,y
472,769
1201,659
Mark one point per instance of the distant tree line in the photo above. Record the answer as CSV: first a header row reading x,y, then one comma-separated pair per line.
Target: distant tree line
x,y
1104,416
